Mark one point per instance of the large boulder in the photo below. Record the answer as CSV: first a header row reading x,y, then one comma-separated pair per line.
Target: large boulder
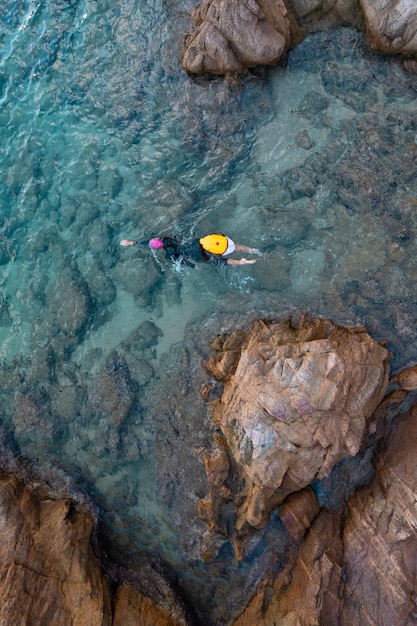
x,y
391,25
231,35
296,401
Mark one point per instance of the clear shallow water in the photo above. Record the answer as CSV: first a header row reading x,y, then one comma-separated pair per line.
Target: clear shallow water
x,y
102,138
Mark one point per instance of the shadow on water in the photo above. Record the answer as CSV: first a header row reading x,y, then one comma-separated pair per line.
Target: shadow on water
x,y
104,137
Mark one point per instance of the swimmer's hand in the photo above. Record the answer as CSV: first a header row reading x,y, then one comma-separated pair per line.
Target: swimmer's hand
x,y
241,261
126,242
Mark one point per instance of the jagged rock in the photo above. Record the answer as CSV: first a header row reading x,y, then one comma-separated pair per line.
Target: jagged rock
x,y
295,402
380,542
48,572
131,608
358,567
231,35
391,25
410,66
306,590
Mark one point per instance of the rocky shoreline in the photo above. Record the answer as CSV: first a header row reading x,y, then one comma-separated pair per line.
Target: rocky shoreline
x,y
312,484
230,36
306,423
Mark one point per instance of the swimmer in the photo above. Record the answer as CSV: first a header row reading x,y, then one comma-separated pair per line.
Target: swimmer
x,y
209,249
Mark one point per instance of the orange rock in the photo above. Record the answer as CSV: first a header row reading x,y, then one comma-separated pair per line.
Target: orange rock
x,y
131,608
296,401
380,543
48,572
298,511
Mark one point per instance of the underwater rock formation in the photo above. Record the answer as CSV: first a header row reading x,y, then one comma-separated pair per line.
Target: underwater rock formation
x,y
113,391
231,35
296,401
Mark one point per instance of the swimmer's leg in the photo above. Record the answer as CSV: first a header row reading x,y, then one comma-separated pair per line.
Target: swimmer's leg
x,y
241,248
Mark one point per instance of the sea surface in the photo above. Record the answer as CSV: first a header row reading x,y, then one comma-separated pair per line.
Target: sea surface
x,y
103,137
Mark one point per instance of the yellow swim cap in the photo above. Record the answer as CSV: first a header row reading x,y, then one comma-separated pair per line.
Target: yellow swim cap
x,y
216,244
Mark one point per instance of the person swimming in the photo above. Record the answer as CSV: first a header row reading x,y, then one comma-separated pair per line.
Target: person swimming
x,y
212,248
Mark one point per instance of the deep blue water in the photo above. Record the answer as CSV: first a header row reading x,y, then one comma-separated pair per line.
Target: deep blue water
x,y
103,137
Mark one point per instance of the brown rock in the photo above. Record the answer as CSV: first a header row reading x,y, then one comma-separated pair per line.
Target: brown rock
x,y
380,542
131,608
305,592
391,25
298,402
407,379
298,511
48,572
231,35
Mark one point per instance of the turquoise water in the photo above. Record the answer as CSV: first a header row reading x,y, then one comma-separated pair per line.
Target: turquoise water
x,y
103,137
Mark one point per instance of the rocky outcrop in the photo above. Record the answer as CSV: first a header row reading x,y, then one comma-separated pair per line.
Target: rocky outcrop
x,y
50,575
133,609
231,35
361,571
306,589
379,538
346,559
391,25
48,572
296,401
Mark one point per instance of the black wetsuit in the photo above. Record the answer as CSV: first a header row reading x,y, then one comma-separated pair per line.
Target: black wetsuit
x,y
194,250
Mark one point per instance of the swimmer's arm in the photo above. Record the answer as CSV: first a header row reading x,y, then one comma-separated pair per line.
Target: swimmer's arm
x,y
126,242
241,261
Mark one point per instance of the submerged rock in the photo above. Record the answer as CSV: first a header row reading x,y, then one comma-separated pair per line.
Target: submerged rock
x,y
296,401
317,15
231,35
113,391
